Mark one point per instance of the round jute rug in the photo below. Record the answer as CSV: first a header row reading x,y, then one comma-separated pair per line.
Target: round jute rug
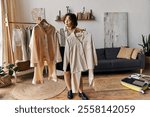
x,y
27,91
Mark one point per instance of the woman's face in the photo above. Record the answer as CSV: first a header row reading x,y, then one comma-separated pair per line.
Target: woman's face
x,y
68,22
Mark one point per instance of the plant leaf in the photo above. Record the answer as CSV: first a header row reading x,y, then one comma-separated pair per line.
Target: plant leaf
x,y
10,72
15,69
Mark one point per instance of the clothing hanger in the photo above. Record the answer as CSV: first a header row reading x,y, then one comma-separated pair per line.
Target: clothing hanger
x,y
22,26
42,21
29,27
79,30
17,26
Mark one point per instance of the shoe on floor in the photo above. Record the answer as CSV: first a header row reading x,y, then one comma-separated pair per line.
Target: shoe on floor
x,y
70,94
83,96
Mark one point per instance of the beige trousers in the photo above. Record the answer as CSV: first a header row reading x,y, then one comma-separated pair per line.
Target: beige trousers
x,y
38,72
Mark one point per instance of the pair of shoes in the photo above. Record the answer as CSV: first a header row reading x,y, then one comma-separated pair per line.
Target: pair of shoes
x,y
70,94
83,96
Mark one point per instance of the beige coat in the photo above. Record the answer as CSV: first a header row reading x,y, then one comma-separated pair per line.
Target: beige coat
x,y
44,45
44,49
80,53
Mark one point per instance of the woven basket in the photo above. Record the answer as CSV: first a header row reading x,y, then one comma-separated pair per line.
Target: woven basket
x,y
5,81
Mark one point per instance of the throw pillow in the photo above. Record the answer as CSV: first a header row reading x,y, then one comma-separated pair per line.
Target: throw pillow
x,y
125,53
135,53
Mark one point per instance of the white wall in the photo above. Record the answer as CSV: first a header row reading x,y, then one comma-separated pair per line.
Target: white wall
x,y
138,15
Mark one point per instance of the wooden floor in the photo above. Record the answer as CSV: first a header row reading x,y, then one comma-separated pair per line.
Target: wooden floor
x,y
125,94
115,94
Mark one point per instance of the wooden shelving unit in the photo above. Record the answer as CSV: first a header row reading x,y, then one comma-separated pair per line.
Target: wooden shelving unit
x,y
78,20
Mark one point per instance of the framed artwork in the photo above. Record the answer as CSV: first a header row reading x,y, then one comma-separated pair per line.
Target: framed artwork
x,y
38,12
115,29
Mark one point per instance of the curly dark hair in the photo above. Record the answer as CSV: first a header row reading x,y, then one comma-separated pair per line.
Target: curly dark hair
x,y
73,18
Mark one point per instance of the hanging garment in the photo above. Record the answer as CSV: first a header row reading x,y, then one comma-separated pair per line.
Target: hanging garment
x,y
90,54
62,34
74,55
28,37
19,44
44,47
62,37
80,53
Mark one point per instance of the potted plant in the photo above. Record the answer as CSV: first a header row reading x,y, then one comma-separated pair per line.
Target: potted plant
x,y
146,44
6,74
146,47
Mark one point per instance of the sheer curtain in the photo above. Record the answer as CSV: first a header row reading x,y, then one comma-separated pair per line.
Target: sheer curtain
x,y
0,35
8,14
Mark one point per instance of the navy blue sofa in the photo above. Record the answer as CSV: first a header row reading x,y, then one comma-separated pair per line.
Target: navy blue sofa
x,y
108,61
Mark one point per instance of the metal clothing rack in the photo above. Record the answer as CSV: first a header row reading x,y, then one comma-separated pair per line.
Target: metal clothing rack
x,y
21,23
24,25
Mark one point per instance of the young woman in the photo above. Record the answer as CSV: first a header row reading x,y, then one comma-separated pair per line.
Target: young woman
x,y
70,21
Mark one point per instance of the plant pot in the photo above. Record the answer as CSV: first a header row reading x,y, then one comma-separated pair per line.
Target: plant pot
x,y
147,62
147,59
5,81
147,54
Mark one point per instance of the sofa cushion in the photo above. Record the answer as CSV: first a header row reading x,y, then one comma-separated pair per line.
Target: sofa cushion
x,y
125,53
111,53
125,63
135,53
100,54
104,64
